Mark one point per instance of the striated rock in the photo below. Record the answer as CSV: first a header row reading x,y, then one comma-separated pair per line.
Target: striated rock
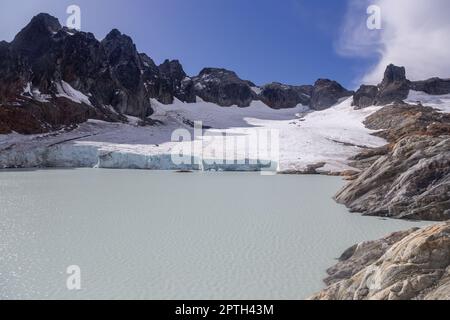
x,y
411,178
327,93
408,265
356,258
281,96
411,182
223,87
400,120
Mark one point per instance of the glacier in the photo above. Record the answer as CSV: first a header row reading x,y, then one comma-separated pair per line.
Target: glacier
x,y
306,138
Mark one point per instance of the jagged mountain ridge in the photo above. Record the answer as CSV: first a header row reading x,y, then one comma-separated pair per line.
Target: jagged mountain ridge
x,y
52,77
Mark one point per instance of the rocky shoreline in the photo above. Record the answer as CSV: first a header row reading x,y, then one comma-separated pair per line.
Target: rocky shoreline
x,y
410,265
407,179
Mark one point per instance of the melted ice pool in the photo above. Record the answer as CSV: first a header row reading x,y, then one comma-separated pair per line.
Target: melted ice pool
x,y
164,235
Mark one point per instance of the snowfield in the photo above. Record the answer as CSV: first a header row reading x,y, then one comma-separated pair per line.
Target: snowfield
x,y
324,139
320,138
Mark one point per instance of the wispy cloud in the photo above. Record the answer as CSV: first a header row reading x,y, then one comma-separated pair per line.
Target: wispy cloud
x,y
415,34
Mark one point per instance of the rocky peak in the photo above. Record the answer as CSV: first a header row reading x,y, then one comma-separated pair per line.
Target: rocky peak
x,y
148,62
173,69
393,74
223,87
393,88
35,37
43,22
119,47
175,83
326,93
433,86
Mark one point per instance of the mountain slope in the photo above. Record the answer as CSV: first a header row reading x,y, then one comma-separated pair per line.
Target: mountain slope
x,y
47,68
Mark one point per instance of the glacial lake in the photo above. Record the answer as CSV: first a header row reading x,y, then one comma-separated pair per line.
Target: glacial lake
x,y
166,235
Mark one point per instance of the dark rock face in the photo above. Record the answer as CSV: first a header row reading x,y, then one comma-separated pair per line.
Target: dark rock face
x,y
280,96
326,93
35,38
411,178
365,96
223,87
394,87
45,57
433,86
181,86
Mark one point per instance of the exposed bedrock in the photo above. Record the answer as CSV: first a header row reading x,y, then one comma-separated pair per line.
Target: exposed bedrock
x,y
52,77
281,96
410,178
327,93
395,87
408,265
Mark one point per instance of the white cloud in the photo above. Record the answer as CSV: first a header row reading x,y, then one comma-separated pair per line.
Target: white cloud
x,y
415,34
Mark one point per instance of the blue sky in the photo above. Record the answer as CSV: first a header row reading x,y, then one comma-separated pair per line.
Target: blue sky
x,y
290,41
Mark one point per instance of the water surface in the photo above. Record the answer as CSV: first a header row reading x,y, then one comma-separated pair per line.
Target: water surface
x,y
164,235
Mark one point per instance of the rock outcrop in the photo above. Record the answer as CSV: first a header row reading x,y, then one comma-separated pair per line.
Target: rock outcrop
x,y
327,93
281,96
395,88
410,178
365,96
51,77
434,86
408,265
181,86
223,87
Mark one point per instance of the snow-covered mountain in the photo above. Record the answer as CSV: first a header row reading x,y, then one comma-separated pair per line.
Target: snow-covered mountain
x,y
69,100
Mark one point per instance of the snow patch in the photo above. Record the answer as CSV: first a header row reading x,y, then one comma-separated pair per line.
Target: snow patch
x,y
256,90
441,102
65,90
